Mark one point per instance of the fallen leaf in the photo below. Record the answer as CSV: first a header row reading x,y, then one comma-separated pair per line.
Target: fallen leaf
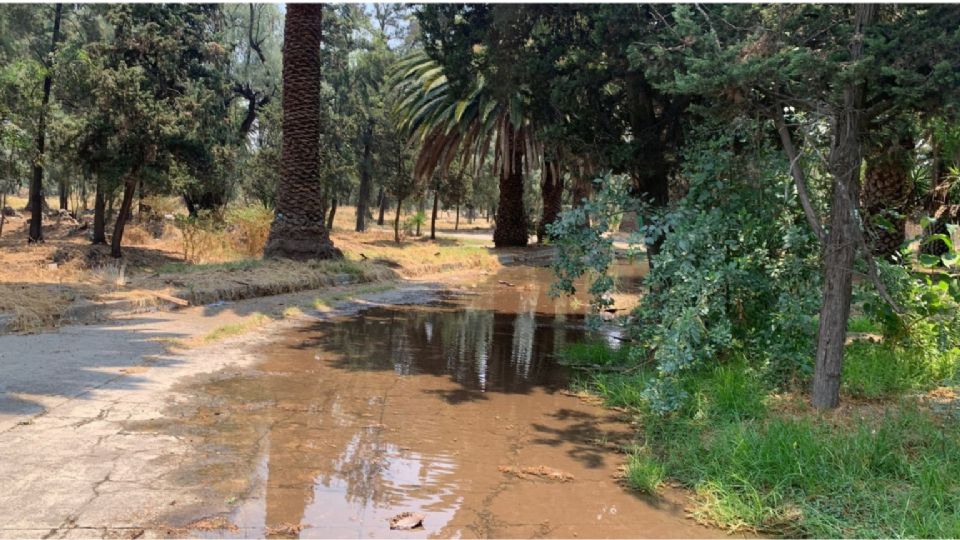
x,y
406,521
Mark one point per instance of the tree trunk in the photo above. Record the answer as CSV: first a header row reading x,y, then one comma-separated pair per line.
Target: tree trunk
x,y
333,213
383,206
886,190
551,188
140,200
3,217
64,189
433,218
363,198
396,222
298,230
456,223
36,183
511,226
129,189
99,218
841,241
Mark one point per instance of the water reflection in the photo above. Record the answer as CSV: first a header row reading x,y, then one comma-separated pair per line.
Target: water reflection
x,y
412,409
479,349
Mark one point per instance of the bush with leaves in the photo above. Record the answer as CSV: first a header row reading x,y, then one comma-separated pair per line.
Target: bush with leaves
x,y
734,272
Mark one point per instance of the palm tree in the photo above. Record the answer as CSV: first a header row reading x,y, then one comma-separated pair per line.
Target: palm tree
x,y
447,126
298,230
886,190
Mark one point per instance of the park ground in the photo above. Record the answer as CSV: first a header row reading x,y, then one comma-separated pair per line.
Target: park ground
x,y
740,458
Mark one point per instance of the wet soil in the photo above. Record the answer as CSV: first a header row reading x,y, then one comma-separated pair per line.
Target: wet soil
x,y
430,409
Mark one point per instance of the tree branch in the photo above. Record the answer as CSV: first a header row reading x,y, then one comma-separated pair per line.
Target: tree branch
x,y
796,172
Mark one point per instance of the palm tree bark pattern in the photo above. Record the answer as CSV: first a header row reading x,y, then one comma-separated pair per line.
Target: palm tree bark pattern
x,y
298,230
511,227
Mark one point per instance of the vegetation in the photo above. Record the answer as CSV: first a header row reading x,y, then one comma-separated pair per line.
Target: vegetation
x,y
789,172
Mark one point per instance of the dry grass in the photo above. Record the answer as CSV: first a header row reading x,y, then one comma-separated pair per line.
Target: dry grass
x,y
39,282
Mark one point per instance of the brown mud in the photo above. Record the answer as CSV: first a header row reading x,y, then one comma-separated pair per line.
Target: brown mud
x,y
431,409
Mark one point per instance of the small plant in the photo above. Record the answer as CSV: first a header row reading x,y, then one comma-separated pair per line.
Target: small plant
x,y
200,236
643,473
250,227
415,222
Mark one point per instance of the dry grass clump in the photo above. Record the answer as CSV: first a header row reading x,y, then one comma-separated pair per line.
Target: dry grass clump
x,y
251,278
34,306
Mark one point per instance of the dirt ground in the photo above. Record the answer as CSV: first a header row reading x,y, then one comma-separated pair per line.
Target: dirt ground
x,y
42,284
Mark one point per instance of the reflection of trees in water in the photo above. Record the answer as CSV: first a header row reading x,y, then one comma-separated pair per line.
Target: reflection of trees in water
x,y
478,348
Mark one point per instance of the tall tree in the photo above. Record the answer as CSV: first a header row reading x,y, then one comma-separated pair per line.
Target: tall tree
x,y
298,230
36,185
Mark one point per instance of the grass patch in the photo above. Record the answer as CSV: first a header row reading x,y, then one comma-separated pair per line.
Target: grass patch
x,y
594,353
868,469
235,329
876,370
231,266
812,477
326,302
864,325
643,473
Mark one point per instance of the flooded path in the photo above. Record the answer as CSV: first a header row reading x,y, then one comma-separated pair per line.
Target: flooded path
x,y
348,422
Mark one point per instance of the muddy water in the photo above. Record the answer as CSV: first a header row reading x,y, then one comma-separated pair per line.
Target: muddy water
x,y
349,422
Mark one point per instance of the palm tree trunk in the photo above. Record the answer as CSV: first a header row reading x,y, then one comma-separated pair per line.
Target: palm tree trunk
x,y
511,226
36,183
886,189
298,230
551,187
841,241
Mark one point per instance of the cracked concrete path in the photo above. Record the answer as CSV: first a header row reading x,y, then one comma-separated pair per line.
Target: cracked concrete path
x,y
69,467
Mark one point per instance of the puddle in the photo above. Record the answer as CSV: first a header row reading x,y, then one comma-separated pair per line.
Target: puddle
x,y
346,423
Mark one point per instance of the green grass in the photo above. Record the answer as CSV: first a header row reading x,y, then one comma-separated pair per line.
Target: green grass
x,y
594,353
643,473
235,329
876,370
804,477
864,325
889,469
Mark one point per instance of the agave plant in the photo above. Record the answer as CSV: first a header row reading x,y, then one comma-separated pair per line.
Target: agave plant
x,y
446,126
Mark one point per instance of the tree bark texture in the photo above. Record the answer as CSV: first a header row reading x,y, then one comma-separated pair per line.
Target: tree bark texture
x,y
886,190
551,188
841,240
511,226
298,230
433,217
129,189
